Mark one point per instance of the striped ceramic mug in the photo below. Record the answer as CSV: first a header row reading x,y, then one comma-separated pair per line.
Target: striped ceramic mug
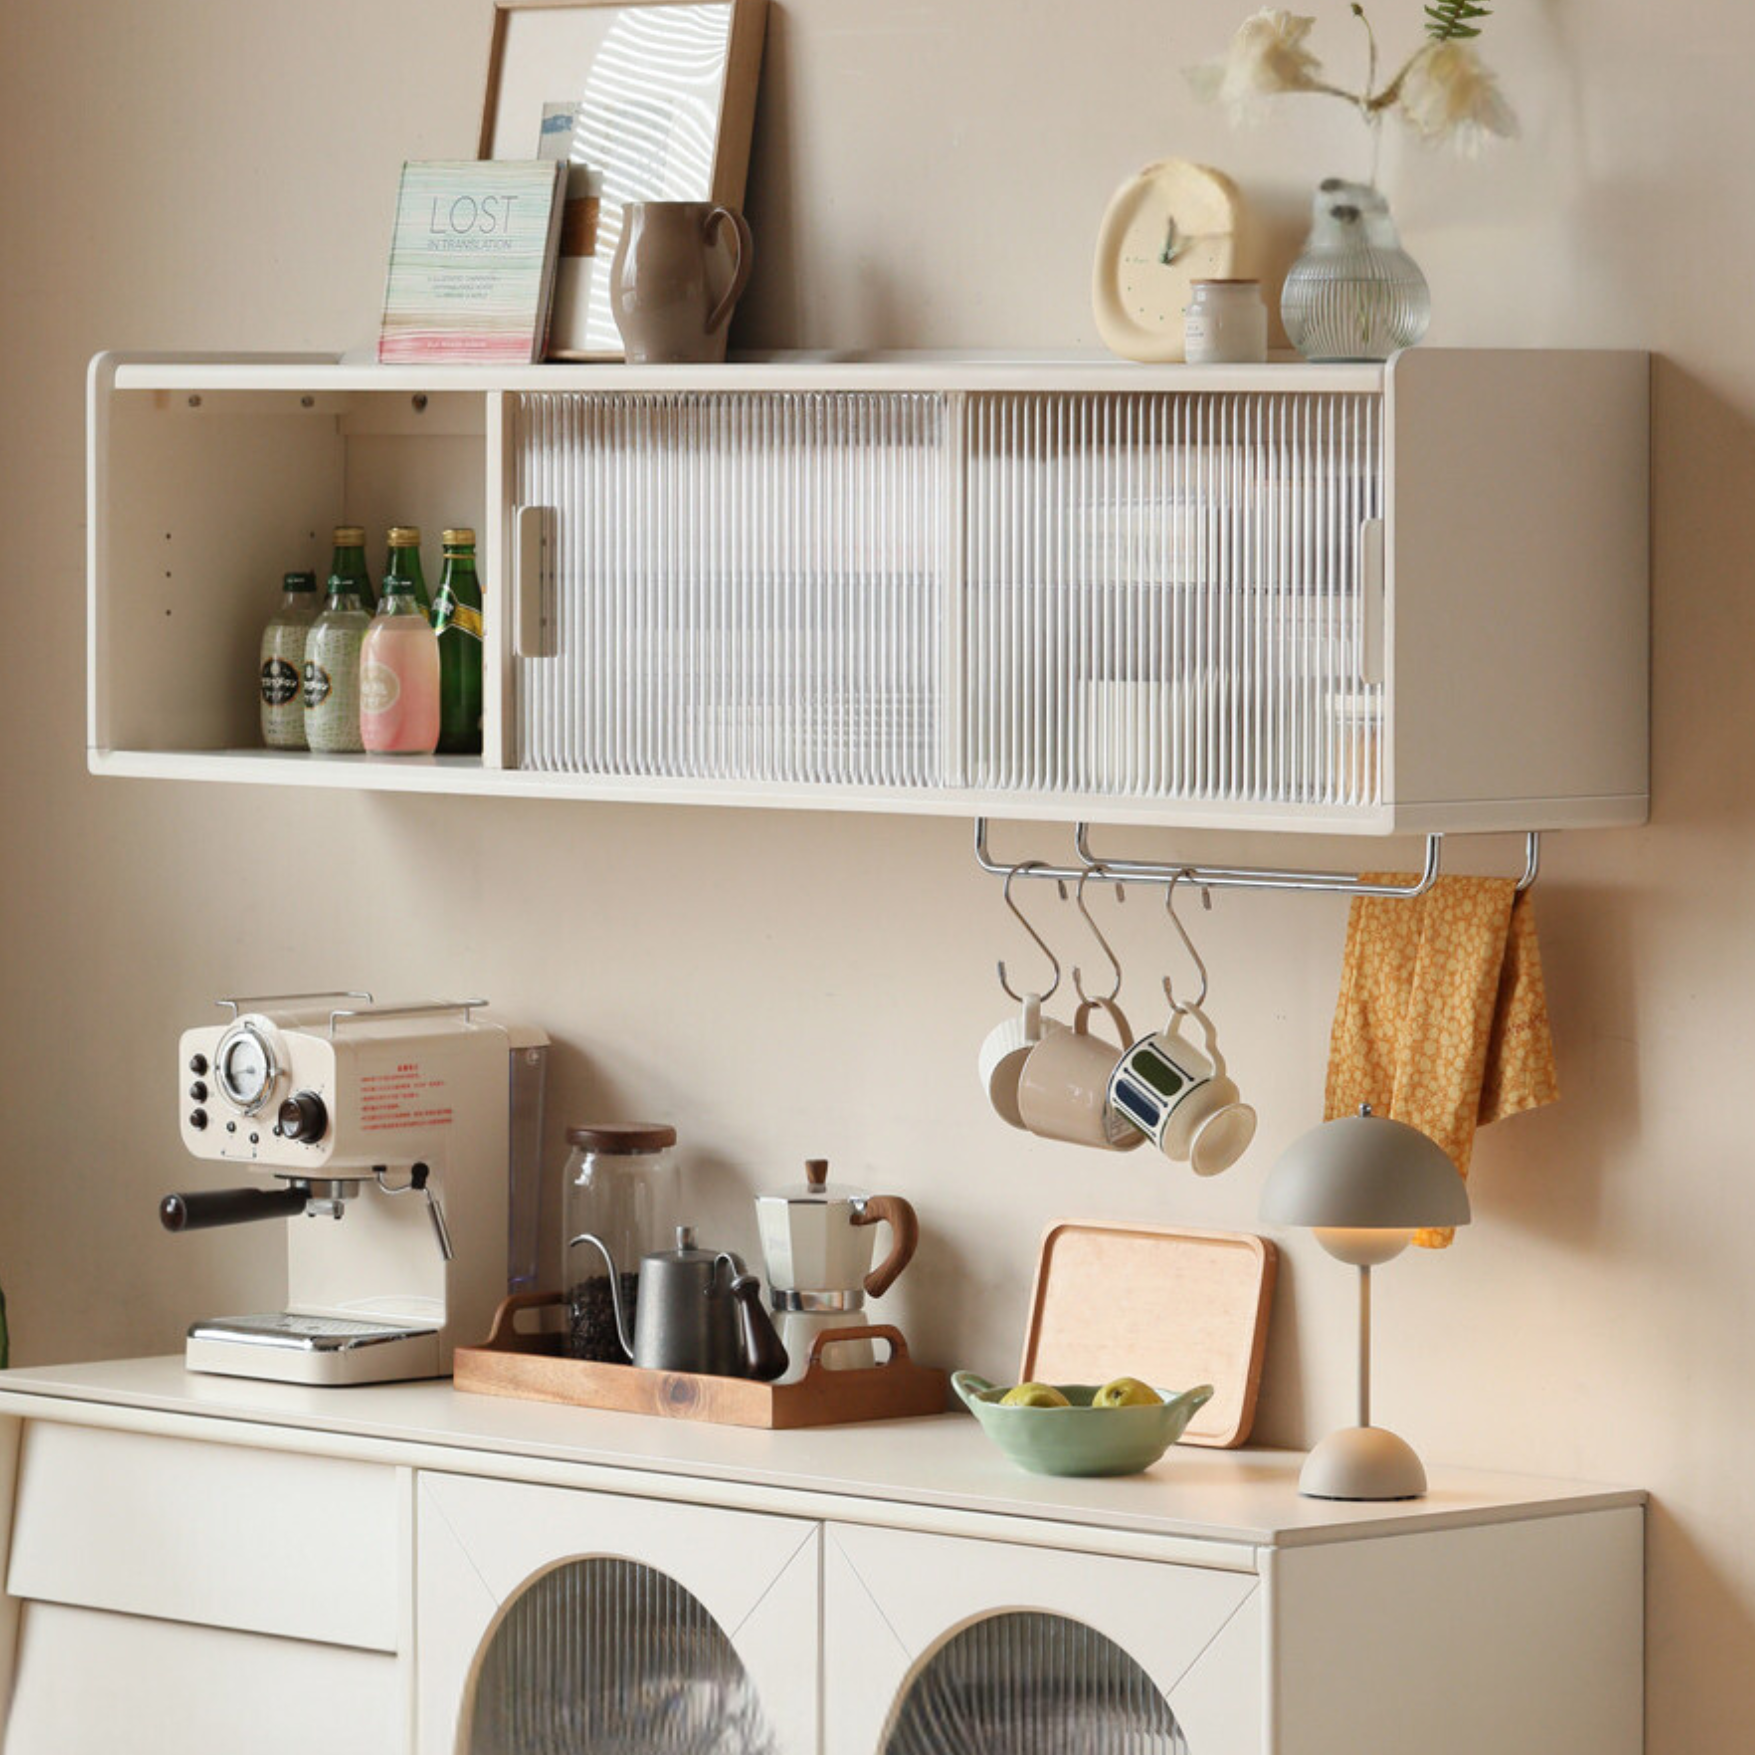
x,y
1180,1096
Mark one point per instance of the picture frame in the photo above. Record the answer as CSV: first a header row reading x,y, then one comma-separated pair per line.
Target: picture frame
x,y
650,100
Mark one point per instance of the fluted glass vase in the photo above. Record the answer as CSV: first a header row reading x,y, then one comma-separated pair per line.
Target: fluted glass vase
x,y
1355,293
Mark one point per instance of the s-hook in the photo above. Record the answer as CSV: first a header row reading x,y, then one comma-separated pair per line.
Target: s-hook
x,y
1040,942
1200,998
1097,933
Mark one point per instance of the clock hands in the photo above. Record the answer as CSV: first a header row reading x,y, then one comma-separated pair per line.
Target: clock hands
x,y
1177,244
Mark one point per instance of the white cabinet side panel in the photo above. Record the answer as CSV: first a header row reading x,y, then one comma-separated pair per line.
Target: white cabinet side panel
x,y
203,511
1518,486
11,1430
89,1682
1523,1638
299,1546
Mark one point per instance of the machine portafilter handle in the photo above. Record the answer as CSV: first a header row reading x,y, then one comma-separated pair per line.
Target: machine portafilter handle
x,y
230,1206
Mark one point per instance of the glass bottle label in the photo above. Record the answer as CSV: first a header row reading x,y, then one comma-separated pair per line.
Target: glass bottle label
x,y
317,685
449,613
280,683
380,688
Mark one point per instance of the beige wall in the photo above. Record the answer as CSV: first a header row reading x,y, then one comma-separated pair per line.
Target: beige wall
x,y
219,173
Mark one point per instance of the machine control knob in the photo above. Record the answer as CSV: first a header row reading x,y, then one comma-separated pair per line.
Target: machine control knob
x,y
198,1119
198,1064
303,1117
198,1091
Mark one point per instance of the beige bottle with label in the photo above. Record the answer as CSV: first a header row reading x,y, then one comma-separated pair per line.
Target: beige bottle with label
x,y
281,662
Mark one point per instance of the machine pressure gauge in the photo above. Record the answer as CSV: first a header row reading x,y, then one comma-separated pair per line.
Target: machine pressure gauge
x,y
246,1066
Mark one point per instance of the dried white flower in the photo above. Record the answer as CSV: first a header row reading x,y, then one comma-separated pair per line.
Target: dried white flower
x,y
1266,57
1449,93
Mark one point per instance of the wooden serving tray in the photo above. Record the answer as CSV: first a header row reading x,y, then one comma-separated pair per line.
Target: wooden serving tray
x,y
511,1362
1172,1307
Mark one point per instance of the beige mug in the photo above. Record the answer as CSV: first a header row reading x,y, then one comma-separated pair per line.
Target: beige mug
x,y
1063,1091
660,290
1009,1044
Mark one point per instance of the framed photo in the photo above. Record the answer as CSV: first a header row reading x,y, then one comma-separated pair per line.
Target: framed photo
x,y
646,100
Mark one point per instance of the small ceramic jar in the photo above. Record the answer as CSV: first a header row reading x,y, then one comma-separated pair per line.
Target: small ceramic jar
x,y
1225,324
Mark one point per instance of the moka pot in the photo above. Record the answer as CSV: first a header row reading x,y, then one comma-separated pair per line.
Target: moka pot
x,y
818,1242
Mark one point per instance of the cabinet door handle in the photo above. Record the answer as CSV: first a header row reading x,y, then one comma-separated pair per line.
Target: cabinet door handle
x,y
1371,593
535,585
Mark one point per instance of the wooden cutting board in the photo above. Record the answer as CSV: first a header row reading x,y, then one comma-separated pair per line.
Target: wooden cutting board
x,y
1172,1307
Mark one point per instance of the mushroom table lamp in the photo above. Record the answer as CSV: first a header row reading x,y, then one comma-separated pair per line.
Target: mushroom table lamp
x,y
1364,1184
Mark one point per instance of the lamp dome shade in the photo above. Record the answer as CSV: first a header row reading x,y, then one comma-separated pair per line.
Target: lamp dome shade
x,y
1364,1172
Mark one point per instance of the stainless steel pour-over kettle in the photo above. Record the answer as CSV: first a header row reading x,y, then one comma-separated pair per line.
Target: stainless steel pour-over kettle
x,y
688,1316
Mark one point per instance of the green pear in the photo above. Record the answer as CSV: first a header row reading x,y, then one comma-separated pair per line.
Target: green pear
x,y
1034,1395
1126,1392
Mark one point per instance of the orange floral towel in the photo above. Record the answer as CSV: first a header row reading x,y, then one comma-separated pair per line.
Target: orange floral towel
x,y
1442,1020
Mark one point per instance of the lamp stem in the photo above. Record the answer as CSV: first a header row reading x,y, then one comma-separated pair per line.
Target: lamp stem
x,y
1365,1346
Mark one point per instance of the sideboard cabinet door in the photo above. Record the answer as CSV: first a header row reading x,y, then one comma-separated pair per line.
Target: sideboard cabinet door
x,y
1033,1651
553,1618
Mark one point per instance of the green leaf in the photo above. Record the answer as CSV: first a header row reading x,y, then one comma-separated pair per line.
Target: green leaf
x,y
1451,20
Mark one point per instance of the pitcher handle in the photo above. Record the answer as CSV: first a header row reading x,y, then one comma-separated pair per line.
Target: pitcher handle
x,y
743,259
905,1238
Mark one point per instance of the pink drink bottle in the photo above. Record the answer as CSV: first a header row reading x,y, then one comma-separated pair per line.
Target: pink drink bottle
x,y
399,662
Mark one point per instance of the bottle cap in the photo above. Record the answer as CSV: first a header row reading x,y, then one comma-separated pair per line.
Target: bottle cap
x,y
464,538
350,536
345,583
405,536
300,582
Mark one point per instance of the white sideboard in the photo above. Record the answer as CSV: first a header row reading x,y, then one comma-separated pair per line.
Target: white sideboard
x,y
268,1567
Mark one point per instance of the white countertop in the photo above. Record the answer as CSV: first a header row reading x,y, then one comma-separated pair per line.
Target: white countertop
x,y
1239,1496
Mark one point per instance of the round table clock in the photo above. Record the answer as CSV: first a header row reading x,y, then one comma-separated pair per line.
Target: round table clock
x,y
1173,224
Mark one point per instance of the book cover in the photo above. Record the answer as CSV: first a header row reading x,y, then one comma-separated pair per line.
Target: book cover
x,y
472,261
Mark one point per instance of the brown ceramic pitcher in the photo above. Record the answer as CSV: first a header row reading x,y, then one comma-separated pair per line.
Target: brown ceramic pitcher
x,y
660,287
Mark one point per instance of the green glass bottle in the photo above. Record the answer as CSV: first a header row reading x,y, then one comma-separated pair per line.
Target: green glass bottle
x,y
349,562
403,566
457,620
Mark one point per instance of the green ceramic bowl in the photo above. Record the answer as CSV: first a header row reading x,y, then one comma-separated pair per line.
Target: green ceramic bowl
x,y
1081,1439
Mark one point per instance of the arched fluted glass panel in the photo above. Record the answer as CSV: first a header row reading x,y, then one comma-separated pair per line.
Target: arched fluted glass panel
x,y
607,1657
1033,1684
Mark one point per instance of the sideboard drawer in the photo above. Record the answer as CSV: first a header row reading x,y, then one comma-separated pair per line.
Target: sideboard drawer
x,y
258,1540
89,1681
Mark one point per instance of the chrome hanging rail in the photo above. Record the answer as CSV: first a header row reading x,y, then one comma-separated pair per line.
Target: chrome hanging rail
x,y
1235,877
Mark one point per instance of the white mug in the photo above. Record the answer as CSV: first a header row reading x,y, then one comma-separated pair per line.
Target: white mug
x,y
1181,1097
1063,1090
1004,1052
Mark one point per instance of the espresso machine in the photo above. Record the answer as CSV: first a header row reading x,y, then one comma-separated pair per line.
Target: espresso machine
x,y
401,1143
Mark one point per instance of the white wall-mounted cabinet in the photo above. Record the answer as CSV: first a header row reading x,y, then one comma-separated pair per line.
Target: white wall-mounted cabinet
x,y
501,1576
1360,598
